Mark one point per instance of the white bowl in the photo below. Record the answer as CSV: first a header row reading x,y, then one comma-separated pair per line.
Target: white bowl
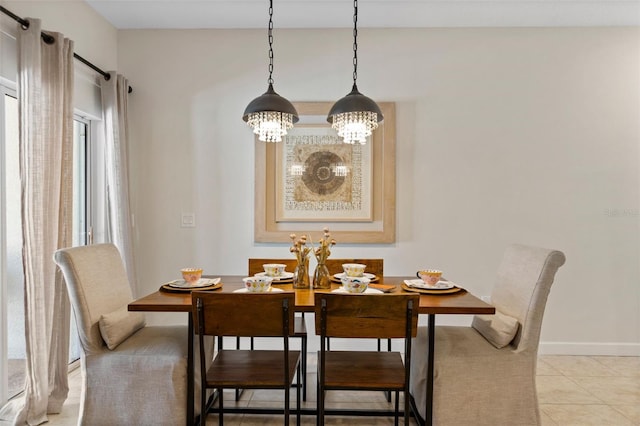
x,y
355,284
258,284
353,269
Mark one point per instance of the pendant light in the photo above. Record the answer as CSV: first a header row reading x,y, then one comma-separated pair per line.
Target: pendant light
x,y
270,115
355,116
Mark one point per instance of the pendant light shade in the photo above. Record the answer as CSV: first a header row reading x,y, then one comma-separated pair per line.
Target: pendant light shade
x,y
270,115
355,116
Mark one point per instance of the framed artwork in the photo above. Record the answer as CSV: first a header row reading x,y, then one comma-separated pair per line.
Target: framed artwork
x,y
312,179
320,178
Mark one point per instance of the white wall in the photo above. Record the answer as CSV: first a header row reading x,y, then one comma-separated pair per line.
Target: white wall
x,y
503,135
94,39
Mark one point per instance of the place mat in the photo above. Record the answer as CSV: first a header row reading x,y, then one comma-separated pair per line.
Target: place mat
x,y
427,291
170,289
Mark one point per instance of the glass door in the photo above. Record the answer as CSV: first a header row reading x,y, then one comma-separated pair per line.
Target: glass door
x,y
12,328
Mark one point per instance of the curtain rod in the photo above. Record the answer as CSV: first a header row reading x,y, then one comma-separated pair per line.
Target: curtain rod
x,y
49,40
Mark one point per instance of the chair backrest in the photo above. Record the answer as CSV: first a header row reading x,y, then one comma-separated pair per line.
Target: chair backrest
x,y
374,266
97,283
366,315
243,314
255,265
523,284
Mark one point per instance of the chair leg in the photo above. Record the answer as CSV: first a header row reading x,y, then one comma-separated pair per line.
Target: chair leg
x,y
320,402
397,415
298,395
221,407
407,408
286,405
203,405
304,368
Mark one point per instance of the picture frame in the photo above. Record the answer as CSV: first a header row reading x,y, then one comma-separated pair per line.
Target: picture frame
x,y
374,219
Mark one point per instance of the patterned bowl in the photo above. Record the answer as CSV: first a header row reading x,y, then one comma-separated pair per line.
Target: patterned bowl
x,y
191,275
353,269
258,284
355,284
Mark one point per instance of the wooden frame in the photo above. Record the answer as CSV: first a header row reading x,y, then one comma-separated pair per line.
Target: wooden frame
x,y
379,230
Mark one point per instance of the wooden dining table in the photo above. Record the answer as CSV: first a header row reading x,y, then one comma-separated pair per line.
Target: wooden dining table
x,y
460,303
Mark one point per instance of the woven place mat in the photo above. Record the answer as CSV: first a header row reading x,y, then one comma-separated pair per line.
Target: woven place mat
x,y
427,291
169,289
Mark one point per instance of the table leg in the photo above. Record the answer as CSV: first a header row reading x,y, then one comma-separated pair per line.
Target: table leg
x,y
190,375
430,363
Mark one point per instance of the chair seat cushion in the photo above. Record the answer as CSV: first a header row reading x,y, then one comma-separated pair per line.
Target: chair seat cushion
x,y
498,329
117,326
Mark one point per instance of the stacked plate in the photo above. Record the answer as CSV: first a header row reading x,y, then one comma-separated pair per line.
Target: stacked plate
x,y
201,284
337,277
285,278
441,287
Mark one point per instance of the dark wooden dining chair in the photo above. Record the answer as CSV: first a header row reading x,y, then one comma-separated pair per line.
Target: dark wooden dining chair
x,y
299,326
361,316
247,315
374,266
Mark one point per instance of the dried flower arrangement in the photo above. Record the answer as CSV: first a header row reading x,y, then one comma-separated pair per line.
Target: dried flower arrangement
x,y
323,251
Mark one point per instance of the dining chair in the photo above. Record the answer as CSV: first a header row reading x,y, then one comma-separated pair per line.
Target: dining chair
x,y
362,316
374,266
299,327
485,374
247,315
131,372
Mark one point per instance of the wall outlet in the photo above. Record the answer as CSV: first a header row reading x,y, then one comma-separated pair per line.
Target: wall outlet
x,y
188,220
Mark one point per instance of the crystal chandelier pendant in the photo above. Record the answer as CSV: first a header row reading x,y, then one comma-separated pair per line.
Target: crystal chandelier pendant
x,y
355,127
270,115
270,126
355,116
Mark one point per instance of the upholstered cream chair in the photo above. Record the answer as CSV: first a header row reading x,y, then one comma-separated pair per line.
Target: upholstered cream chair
x,y
131,373
486,374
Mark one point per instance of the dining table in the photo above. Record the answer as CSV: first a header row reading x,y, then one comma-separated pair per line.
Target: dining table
x,y
458,303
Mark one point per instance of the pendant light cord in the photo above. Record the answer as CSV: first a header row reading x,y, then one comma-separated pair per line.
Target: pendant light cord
x,y
355,41
270,32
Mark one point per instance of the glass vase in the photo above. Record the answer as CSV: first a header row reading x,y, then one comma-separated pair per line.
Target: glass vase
x,y
321,277
301,274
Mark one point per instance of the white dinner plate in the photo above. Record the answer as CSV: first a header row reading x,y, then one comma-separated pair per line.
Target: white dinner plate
x,y
285,275
202,282
440,285
366,275
272,290
367,291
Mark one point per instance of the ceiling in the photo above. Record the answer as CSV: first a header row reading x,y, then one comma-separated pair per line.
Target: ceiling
x,y
195,14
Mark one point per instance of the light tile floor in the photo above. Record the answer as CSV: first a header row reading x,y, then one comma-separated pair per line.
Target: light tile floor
x,y
572,390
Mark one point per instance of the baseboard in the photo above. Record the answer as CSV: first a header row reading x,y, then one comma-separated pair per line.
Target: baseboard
x,y
587,348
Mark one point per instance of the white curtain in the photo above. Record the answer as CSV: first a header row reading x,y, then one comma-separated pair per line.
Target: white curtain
x,y
45,93
119,223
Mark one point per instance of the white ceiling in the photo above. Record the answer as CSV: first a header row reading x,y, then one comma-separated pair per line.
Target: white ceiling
x,y
183,14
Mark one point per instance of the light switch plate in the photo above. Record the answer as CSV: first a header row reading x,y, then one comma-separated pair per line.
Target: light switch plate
x,y
188,220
